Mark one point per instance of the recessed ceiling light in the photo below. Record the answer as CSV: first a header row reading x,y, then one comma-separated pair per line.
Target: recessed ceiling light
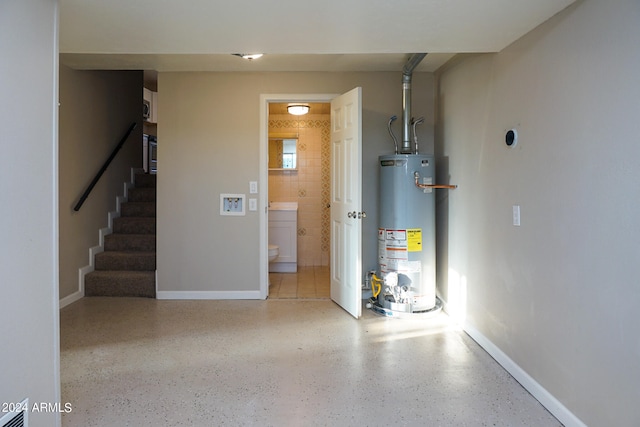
x,y
248,55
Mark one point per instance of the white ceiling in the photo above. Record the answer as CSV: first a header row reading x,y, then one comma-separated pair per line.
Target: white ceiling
x,y
295,35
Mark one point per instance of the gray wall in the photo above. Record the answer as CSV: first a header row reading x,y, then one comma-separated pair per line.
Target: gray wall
x,y
209,136
96,109
30,356
558,295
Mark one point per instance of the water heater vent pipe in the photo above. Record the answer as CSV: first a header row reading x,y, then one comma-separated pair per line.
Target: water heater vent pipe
x,y
407,73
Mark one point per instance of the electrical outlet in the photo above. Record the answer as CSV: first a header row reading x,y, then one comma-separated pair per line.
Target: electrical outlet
x,y
253,204
253,187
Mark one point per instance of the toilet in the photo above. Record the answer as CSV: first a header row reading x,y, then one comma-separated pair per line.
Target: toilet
x,y
273,252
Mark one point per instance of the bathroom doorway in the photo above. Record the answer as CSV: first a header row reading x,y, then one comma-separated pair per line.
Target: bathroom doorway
x,y
299,151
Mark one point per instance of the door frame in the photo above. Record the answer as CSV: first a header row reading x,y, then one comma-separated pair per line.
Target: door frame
x,y
263,170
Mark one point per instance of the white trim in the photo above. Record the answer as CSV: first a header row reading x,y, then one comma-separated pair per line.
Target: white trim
x,y
134,172
283,267
83,271
263,171
101,233
546,399
93,251
55,296
70,299
553,405
111,216
208,295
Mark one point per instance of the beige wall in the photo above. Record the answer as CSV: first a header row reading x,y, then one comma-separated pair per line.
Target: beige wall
x,y
30,356
96,109
209,132
309,185
559,294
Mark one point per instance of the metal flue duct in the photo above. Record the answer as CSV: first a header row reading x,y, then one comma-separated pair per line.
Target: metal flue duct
x,y
407,73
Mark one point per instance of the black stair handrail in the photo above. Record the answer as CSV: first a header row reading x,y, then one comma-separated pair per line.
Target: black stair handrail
x,y
104,167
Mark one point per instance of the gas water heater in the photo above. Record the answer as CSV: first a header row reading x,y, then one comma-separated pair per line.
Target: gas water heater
x,y
405,282
406,234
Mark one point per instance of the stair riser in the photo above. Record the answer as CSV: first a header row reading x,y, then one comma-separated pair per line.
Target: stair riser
x,y
138,209
136,286
134,225
129,262
141,195
130,242
145,181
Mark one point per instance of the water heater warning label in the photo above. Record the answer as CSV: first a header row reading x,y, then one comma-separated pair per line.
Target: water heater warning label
x,y
392,245
414,239
398,236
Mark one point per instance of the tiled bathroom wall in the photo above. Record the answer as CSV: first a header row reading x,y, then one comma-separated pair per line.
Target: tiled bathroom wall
x,y
309,185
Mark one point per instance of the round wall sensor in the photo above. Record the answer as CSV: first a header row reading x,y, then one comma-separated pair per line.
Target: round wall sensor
x,y
511,138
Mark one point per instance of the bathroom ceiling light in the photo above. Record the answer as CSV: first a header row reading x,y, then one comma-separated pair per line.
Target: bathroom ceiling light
x,y
298,109
248,55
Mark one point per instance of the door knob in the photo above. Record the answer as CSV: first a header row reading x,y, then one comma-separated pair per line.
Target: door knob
x,y
362,214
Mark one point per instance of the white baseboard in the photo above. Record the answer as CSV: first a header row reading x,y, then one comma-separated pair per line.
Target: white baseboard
x,y
100,248
208,295
93,252
134,172
283,267
70,299
553,405
546,399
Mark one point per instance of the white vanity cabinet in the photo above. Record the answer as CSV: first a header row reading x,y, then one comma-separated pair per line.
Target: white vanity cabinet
x,y
283,231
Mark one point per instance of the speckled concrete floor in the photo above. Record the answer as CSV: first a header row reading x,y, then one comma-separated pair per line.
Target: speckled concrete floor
x,y
144,362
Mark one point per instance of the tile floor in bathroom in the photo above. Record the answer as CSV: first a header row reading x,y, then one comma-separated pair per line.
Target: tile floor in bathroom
x,y
308,282
277,362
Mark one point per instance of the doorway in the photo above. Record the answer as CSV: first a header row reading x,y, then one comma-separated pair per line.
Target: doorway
x,y
345,189
298,151
265,102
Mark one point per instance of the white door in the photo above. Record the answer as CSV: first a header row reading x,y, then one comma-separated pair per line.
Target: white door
x,y
346,201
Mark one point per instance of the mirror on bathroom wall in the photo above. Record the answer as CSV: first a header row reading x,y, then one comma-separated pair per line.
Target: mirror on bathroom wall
x,y
282,151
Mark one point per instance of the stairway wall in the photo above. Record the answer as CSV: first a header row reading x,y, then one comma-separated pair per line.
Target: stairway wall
x,y
96,108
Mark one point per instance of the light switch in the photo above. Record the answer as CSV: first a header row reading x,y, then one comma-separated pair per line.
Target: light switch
x,y
516,215
253,204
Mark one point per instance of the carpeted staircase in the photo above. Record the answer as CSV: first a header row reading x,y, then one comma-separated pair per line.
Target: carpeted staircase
x,y
128,264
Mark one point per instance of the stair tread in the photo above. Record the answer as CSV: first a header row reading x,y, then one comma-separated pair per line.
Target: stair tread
x,y
129,235
127,253
130,242
139,202
134,218
121,283
122,273
134,225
